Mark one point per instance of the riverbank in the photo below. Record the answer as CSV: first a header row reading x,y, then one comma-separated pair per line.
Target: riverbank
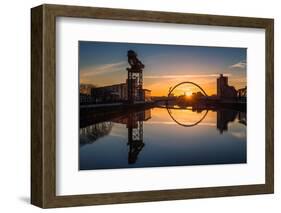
x,y
103,112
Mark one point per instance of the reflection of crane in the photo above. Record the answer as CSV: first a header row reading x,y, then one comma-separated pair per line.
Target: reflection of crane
x,y
134,123
135,137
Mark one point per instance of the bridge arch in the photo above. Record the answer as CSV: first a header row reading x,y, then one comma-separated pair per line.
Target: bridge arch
x,y
187,125
187,82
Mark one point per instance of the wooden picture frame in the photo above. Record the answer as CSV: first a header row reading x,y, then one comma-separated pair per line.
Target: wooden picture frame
x,y
43,105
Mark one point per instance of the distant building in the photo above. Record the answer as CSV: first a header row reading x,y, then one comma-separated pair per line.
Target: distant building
x,y
146,95
86,99
134,89
118,93
223,89
112,93
85,89
197,95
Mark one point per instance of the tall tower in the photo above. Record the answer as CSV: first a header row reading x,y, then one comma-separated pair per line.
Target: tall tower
x,y
224,91
135,80
222,82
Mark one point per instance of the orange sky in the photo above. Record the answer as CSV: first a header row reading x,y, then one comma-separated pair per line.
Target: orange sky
x,y
160,87
105,63
209,84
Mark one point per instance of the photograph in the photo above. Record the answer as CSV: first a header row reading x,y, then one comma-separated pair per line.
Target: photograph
x,y
155,105
140,105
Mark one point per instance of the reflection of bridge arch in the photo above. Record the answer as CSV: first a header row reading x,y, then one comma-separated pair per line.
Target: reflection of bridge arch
x,y
187,82
187,125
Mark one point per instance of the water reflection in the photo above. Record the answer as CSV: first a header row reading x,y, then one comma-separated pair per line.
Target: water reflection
x,y
134,124
93,132
224,116
162,136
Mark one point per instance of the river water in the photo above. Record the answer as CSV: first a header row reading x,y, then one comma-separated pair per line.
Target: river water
x,y
163,137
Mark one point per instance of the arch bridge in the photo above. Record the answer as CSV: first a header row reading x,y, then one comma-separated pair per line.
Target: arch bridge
x,y
187,82
169,110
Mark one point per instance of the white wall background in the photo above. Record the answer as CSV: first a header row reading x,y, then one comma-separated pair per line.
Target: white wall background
x,y
15,105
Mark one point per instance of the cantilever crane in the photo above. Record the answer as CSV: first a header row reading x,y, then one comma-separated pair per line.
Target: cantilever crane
x,y
135,80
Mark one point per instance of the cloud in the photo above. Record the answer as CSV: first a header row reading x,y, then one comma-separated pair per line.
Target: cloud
x,y
185,76
240,65
103,69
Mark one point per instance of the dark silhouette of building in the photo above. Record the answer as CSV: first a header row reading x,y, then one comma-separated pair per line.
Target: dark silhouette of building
x,y
85,89
119,93
224,91
86,99
111,93
197,95
146,95
242,94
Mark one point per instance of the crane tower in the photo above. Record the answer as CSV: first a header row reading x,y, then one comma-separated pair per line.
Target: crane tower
x,y
135,80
